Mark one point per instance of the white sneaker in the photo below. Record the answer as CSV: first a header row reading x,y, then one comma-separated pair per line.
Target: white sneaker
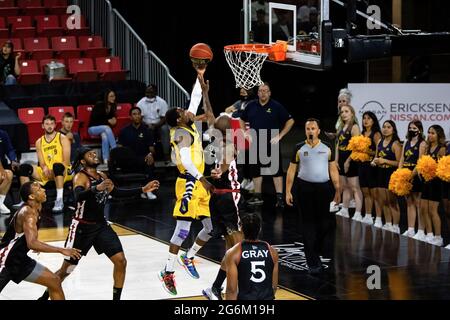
x,y
4,209
387,227
429,237
59,206
447,247
357,217
396,229
420,235
352,204
343,213
212,294
151,196
437,241
367,219
17,205
334,206
378,224
409,233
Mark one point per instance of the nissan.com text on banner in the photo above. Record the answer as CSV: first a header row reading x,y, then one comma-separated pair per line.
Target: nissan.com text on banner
x,y
403,103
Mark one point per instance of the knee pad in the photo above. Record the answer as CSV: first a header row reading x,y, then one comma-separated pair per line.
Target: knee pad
x,y
59,169
25,170
205,233
181,232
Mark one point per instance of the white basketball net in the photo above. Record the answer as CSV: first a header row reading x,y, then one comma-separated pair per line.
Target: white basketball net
x,y
246,66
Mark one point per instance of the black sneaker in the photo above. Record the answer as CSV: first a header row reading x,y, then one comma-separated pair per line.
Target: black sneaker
x,y
280,202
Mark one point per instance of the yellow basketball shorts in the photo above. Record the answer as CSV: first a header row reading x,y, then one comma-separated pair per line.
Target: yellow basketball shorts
x,y
68,176
197,207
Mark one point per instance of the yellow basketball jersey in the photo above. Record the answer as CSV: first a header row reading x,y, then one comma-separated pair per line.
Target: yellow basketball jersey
x,y
52,151
197,155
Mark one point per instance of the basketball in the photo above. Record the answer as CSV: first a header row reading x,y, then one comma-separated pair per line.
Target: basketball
x,y
201,51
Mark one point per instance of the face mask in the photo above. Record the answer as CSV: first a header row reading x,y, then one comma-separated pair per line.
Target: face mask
x,y
244,98
412,134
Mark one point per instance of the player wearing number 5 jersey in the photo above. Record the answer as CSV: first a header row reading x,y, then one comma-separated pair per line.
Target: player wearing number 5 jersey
x,y
252,265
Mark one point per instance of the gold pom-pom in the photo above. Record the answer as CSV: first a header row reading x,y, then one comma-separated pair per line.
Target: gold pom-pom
x,y
359,156
360,147
427,167
443,169
401,182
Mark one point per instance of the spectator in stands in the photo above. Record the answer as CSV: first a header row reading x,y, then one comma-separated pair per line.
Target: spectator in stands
x,y
266,115
154,109
103,118
138,137
6,149
9,65
53,153
74,137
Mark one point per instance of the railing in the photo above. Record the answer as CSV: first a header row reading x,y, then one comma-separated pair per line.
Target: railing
x,y
143,64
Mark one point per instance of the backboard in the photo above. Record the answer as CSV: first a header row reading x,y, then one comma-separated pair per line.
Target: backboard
x,y
302,23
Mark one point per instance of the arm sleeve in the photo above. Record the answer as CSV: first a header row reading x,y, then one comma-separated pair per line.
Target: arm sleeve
x,y
82,194
123,193
196,97
185,155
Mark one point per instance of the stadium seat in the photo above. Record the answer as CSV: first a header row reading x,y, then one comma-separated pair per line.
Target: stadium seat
x,y
7,3
122,116
58,113
83,70
29,73
66,47
92,46
21,27
83,30
48,26
110,69
44,62
32,117
38,48
31,7
4,31
9,12
57,7
83,116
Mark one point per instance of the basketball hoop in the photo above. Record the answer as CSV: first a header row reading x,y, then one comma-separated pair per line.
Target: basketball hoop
x,y
246,60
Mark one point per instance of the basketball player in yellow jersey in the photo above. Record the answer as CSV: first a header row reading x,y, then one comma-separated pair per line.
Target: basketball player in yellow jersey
x,y
192,195
53,152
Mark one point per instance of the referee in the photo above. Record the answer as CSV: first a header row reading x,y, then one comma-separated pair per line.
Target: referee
x,y
313,164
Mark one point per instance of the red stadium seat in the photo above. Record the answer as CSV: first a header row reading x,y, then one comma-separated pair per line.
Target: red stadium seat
x,y
32,117
21,27
123,110
83,69
110,69
68,23
38,48
31,7
92,46
4,31
9,12
58,113
66,47
7,3
83,116
29,73
57,7
48,26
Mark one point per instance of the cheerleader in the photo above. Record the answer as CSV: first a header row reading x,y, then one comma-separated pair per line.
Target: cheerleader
x,y
348,169
431,191
367,173
446,195
413,149
386,160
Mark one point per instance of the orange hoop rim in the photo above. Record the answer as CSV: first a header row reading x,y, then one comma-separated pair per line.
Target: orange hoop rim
x,y
249,47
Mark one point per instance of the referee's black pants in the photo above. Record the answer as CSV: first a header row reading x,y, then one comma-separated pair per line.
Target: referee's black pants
x,y
317,222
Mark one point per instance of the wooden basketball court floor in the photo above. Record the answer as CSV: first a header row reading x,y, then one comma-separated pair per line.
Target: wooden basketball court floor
x,y
92,279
